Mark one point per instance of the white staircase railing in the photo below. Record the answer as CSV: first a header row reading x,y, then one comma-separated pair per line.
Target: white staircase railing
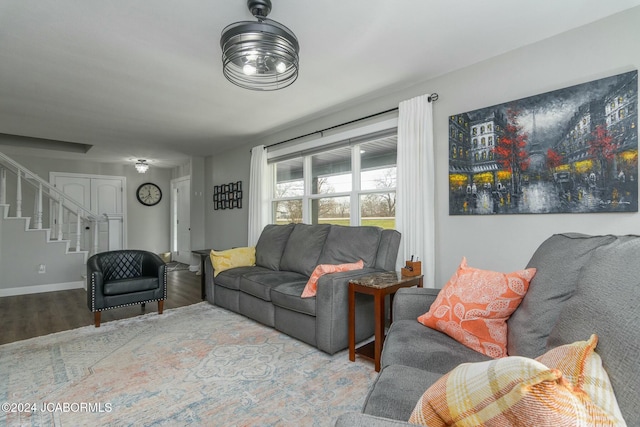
x,y
62,206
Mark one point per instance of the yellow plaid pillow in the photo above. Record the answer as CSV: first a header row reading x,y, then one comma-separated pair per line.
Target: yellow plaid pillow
x,y
511,391
232,258
582,367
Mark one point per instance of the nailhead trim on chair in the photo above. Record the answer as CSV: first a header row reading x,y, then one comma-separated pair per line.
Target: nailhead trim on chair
x,y
93,296
131,303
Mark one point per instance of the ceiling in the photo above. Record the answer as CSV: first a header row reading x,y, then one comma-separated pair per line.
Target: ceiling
x,y
143,78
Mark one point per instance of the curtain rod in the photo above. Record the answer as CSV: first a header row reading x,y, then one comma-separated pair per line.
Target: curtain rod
x,y
432,98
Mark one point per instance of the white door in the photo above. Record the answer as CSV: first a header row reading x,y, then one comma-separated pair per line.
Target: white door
x,y
106,198
181,220
97,193
79,190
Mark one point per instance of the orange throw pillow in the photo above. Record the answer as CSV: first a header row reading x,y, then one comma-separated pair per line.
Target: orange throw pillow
x,y
473,307
322,269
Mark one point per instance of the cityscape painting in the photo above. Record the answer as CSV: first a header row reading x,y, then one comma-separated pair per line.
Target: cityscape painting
x,y
573,150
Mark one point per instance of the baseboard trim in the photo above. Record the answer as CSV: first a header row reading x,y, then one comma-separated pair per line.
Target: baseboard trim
x,y
37,289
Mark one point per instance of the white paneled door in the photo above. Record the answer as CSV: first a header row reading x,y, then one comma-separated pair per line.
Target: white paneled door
x,y
100,194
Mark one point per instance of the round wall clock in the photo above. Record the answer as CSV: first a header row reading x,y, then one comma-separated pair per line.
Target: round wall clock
x,y
149,194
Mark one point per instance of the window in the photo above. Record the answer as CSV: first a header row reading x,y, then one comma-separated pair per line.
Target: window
x,y
348,185
289,190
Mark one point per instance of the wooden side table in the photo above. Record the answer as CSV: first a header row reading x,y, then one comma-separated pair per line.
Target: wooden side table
x,y
203,253
379,285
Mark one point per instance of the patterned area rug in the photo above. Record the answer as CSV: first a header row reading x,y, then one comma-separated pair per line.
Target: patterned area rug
x,y
196,365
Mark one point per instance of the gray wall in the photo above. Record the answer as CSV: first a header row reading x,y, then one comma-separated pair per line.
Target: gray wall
x,y
227,228
598,50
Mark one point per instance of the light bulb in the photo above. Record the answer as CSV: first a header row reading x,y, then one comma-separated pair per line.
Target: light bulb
x,y
249,69
281,67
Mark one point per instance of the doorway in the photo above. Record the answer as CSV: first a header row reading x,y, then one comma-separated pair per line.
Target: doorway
x,y
181,220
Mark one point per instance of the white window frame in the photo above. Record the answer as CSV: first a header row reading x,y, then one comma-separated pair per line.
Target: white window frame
x,y
314,147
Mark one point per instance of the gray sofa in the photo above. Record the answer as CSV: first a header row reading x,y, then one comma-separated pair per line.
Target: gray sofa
x,y
286,255
583,285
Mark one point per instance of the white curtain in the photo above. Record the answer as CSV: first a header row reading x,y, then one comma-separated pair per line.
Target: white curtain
x,y
415,210
259,193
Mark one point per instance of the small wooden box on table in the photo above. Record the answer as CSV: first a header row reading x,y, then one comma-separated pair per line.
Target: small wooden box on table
x,y
379,285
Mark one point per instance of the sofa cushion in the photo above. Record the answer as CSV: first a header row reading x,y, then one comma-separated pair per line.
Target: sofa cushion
x,y
287,296
606,303
473,307
582,367
396,390
513,391
127,286
232,258
304,247
411,344
311,287
557,262
271,245
230,279
350,244
260,284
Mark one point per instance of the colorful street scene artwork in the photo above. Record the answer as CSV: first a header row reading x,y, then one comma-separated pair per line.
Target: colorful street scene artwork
x,y
573,150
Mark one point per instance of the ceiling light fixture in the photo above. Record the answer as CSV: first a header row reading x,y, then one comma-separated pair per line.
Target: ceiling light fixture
x,y
259,55
142,166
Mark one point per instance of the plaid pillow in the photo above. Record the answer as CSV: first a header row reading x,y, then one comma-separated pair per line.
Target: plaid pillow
x,y
511,391
582,367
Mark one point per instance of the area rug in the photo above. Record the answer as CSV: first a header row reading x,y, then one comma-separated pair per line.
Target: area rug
x,y
196,365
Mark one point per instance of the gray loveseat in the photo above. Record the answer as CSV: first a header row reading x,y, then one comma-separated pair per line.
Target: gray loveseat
x,y
583,285
286,255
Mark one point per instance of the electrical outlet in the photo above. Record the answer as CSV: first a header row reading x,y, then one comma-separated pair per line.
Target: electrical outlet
x,y
42,268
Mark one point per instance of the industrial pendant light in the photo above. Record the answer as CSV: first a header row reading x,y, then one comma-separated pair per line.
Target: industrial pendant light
x,y
260,55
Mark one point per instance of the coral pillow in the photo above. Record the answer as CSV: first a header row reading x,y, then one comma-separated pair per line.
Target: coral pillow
x,y
511,391
322,269
582,367
473,307
232,258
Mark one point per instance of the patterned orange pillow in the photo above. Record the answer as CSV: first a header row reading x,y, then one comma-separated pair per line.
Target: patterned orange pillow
x,y
582,367
511,391
322,269
473,307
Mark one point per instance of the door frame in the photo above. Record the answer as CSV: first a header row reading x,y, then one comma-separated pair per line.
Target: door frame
x,y
173,238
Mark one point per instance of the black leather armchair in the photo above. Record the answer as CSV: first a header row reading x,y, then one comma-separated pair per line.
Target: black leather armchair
x,y
125,277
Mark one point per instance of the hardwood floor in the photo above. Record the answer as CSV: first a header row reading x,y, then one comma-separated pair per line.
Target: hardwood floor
x,y
27,316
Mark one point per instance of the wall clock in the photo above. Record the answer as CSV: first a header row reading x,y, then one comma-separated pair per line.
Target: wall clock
x,y
149,194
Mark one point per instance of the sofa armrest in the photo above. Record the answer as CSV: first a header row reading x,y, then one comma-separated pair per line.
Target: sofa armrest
x,y
354,419
153,265
332,311
409,303
95,298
